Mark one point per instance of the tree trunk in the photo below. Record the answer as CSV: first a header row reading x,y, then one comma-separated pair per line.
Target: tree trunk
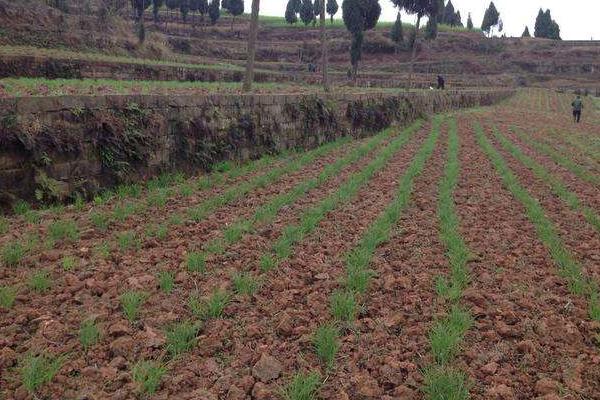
x,y
324,49
251,47
414,52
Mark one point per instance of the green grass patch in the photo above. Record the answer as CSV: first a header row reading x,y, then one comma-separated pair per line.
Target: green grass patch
x,y
8,295
68,263
37,371
181,337
13,253
447,334
196,262
212,307
100,220
245,284
303,387
63,230
443,383
326,344
343,305
128,240
148,374
40,281
166,281
131,302
89,334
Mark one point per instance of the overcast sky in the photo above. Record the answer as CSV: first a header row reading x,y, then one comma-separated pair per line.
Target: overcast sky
x,y
578,19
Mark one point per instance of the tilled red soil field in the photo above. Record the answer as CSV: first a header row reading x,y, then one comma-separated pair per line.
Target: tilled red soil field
x,y
455,258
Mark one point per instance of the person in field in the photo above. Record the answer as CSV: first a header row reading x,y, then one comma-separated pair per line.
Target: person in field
x,y
577,109
441,83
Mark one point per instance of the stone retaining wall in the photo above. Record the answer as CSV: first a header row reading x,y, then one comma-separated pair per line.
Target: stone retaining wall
x,y
53,147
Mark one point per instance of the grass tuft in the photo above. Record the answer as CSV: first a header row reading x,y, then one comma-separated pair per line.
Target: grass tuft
x,y
302,387
326,344
63,230
343,305
13,253
181,337
212,307
443,383
40,281
37,371
88,334
148,374
166,281
245,284
8,295
131,302
196,262
68,263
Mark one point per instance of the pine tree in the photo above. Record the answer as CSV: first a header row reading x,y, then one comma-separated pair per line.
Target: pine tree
x,y
316,10
490,19
236,8
526,33
332,8
540,30
470,23
448,18
307,14
458,19
431,29
291,17
421,8
184,9
359,16
214,11
156,5
397,32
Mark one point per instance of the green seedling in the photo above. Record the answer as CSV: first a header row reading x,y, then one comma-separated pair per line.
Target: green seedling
x,y
181,337
326,344
245,284
63,230
100,220
196,262
444,383
212,307
37,371
302,387
131,302
69,263
40,281
21,207
128,240
8,295
166,281
4,225
148,374
267,263
13,253
343,306
88,334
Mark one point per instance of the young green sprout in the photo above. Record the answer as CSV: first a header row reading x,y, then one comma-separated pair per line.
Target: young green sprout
x,y
7,296
166,281
40,281
36,371
196,262
131,302
147,374
88,334
326,344
245,284
343,306
181,337
302,387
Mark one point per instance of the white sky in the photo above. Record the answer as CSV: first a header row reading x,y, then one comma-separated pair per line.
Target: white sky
x,y
578,19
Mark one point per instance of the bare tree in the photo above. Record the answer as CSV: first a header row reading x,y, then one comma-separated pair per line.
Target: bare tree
x,y
324,49
251,47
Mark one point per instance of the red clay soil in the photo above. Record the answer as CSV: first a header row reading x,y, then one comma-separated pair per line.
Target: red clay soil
x,y
175,203
531,338
382,359
586,191
51,321
580,238
281,317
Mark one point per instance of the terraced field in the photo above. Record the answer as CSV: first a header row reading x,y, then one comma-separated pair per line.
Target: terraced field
x,y
454,258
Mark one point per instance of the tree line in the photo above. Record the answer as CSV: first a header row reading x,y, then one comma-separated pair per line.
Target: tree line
x,y
210,8
545,26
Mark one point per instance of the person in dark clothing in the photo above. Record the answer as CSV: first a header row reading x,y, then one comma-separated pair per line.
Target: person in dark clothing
x,y
577,105
441,83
